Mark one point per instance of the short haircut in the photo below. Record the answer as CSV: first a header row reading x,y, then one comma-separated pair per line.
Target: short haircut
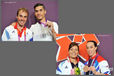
x,y
73,44
22,9
95,44
39,4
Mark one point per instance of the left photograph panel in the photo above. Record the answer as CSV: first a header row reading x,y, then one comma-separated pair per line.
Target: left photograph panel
x,y
29,20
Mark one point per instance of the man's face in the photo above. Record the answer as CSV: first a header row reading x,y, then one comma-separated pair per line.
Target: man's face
x,y
73,52
22,18
40,12
91,49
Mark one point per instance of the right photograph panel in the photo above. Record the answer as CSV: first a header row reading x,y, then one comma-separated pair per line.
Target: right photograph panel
x,y
84,54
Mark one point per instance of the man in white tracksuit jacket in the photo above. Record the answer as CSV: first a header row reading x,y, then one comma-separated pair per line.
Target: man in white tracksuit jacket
x,y
18,31
43,30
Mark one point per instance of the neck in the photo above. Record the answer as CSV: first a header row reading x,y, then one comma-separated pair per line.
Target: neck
x,y
73,60
93,54
20,27
43,20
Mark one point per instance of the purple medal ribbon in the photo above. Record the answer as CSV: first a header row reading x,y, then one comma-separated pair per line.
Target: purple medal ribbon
x,y
24,37
43,23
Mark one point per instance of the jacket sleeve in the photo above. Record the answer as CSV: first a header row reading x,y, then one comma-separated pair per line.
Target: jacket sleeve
x,y
59,69
5,35
104,67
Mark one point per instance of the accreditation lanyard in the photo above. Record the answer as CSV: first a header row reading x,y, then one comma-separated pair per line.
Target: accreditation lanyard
x,y
43,23
94,60
76,59
20,33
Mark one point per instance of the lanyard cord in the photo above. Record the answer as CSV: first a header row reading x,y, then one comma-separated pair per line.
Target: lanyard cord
x,y
93,62
24,30
43,23
24,35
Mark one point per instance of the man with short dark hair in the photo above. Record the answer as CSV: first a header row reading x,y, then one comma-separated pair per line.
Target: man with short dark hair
x,y
43,30
18,32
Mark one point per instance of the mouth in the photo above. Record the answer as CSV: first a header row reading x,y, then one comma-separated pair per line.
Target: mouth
x,y
39,16
73,54
22,23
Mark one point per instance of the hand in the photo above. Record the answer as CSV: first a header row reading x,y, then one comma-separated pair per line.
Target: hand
x,y
49,23
92,68
86,68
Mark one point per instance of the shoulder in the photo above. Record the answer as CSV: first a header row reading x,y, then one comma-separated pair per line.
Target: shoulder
x,y
63,62
103,63
10,27
36,24
80,64
100,59
28,30
55,24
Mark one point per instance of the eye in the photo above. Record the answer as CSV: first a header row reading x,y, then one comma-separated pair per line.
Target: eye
x,y
25,16
20,15
91,47
36,10
40,9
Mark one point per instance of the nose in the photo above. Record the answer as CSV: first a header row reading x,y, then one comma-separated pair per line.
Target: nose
x,y
22,18
89,50
74,50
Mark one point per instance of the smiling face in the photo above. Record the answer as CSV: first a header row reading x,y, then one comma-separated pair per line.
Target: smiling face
x,y
22,18
40,12
91,49
73,52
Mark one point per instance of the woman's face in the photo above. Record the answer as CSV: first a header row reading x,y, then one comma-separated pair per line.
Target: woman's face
x,y
91,49
73,52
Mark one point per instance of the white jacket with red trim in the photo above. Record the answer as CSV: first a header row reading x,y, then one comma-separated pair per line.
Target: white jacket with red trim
x,y
11,34
65,67
100,64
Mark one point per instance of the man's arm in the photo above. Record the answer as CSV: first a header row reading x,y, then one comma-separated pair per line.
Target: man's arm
x,y
54,28
5,35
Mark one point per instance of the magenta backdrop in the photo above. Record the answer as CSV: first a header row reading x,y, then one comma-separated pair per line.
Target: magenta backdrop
x,y
9,10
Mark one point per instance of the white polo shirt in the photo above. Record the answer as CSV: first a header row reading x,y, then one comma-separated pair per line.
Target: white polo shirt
x,y
42,33
11,34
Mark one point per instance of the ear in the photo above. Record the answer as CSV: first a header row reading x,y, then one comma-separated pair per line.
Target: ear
x,y
45,11
96,48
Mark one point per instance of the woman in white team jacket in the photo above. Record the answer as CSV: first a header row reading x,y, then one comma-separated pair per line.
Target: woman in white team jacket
x,y
67,66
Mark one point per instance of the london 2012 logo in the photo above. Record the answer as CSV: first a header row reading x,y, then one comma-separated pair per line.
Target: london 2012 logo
x,y
63,41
